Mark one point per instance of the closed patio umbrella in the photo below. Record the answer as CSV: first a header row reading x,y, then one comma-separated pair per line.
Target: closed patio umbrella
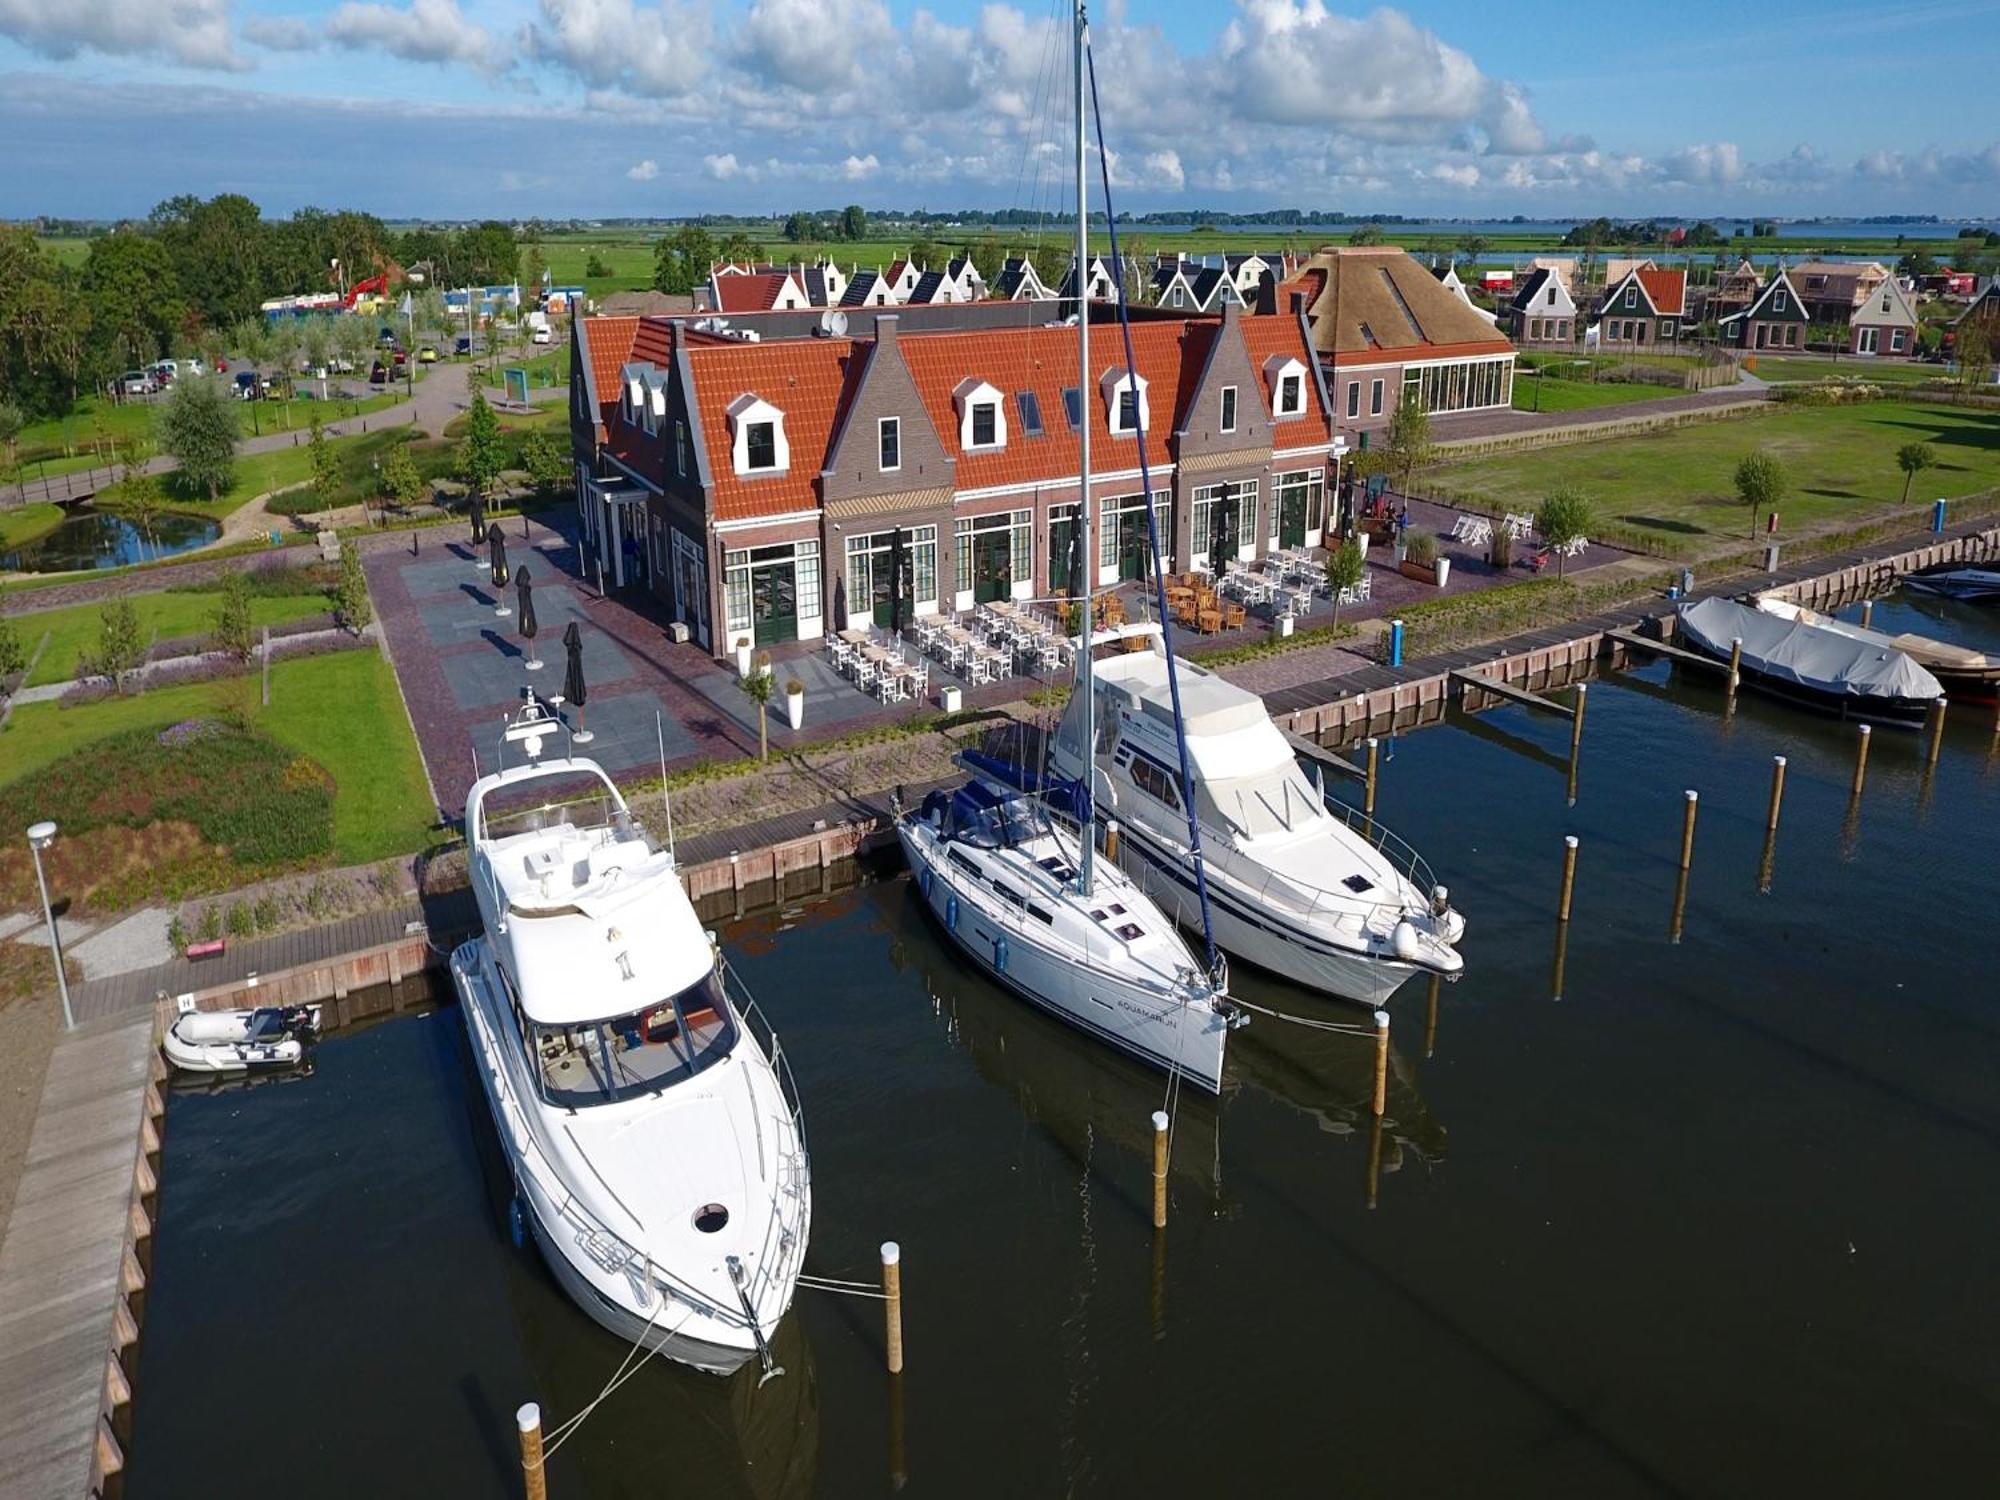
x,y
528,627
1221,529
478,519
496,547
575,689
897,563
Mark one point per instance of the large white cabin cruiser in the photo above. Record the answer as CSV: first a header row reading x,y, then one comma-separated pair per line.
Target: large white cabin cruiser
x,y
657,1149
1297,882
1004,881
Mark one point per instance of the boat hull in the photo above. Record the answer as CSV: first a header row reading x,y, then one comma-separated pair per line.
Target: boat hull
x,y
1895,713
1162,1033
1244,931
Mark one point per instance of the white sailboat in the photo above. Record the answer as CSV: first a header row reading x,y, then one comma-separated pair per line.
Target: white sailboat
x,y
1298,883
646,1112
1030,905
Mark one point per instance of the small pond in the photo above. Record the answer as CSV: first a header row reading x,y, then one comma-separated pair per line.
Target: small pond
x,y
92,538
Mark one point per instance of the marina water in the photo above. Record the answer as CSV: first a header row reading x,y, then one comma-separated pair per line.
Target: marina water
x,y
1718,1221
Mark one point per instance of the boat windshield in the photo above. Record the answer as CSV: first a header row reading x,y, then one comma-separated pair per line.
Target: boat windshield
x,y
1277,802
603,1062
993,823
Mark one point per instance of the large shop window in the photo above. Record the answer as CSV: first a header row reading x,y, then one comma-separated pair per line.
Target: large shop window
x,y
1121,537
1464,385
995,556
871,571
772,593
1231,505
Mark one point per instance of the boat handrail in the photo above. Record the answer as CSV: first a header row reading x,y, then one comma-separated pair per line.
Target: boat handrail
x,y
765,1036
1403,859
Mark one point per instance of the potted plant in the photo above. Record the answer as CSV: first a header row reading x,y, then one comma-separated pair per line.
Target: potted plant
x,y
951,698
1500,551
743,656
795,702
1421,560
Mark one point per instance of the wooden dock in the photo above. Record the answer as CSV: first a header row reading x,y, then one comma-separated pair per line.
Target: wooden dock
x,y
1679,655
1473,682
72,1261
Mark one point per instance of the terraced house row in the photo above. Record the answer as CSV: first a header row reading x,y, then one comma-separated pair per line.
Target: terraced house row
x,y
761,487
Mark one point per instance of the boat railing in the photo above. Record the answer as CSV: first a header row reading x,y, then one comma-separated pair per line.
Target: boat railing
x,y
1306,899
784,1262
1403,859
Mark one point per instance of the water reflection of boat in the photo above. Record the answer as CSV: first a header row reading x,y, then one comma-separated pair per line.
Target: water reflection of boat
x,y
1956,581
1330,1076
1067,1091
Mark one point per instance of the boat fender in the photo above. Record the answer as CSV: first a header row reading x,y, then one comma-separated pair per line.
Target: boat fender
x,y
924,883
951,912
517,1222
1407,944
1000,954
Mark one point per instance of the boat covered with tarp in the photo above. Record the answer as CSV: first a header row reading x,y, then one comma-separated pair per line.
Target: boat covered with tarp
x,y
1968,675
1812,665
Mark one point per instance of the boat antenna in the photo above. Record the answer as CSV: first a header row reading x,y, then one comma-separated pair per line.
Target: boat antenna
x,y
1153,539
1085,811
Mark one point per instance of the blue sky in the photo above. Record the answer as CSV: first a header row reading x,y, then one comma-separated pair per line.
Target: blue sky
x,y
457,108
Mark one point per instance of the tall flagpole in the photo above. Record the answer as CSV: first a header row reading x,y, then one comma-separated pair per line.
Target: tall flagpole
x,y
1085,509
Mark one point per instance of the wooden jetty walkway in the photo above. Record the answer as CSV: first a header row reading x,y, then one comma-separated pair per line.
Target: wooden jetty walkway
x,y
72,1262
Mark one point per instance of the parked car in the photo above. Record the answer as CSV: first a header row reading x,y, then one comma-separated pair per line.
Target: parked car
x,y
138,383
195,366
463,345
246,385
378,373
386,339
428,355
401,359
343,366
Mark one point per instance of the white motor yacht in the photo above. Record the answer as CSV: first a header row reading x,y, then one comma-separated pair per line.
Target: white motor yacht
x,y
1298,883
656,1145
1004,881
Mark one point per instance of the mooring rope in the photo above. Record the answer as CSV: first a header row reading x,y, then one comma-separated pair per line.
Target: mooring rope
x,y
846,1288
1344,1028
627,1368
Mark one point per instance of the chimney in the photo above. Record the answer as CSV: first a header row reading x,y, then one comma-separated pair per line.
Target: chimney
x,y
885,328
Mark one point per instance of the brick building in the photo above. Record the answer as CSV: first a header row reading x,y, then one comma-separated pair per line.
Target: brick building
x,y
760,489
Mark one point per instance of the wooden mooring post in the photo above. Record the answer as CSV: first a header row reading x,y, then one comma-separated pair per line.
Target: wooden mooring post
x,y
892,1303
1934,727
1860,762
1735,673
1380,1102
1576,736
1160,1124
1690,806
1431,1016
1374,769
1569,877
534,1480
1867,613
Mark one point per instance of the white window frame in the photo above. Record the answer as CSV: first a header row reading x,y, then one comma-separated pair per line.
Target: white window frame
x,y
1117,380
1778,300
1227,414
745,412
1375,398
1631,297
1277,369
973,392
885,428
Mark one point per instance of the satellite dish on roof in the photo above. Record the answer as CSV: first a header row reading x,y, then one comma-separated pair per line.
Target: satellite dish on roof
x,y
833,323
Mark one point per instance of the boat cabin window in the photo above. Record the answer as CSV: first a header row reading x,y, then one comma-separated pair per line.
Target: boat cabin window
x,y
605,1062
1000,824
1155,781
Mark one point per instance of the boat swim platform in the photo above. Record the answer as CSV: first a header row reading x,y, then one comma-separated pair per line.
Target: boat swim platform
x,y
73,1263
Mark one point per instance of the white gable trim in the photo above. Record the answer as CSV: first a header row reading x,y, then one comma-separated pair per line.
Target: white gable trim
x,y
1276,369
1112,385
745,412
969,393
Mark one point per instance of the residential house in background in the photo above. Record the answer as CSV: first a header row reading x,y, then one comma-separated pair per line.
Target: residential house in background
x,y
1885,324
761,490
1777,320
1198,288
1448,278
1985,312
1542,314
967,284
734,289
1734,290
1383,328
1833,290
867,289
1103,282
901,278
1643,309
1018,282
1562,266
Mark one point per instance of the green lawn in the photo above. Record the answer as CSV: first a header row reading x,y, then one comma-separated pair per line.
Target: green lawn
x,y
1875,371
342,711
1674,491
1542,393
26,523
261,473
162,616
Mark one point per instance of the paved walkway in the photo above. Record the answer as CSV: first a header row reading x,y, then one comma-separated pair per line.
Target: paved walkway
x,y
63,1263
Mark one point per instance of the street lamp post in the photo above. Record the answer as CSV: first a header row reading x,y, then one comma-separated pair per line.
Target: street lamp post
x,y
40,836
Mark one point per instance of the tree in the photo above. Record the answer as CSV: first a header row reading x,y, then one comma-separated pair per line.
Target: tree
x,y
197,429
134,296
1407,444
1563,519
120,647
1760,484
758,685
801,227
1344,566
351,604
1367,234
596,268
234,631
479,458
325,467
12,420
487,254
1972,345
143,502
853,223
353,340
400,477
13,654
546,462
533,264
681,261
1913,459
739,249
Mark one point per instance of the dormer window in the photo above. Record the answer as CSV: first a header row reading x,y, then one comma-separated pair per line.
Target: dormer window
x,y
757,436
1229,408
1288,385
1125,404
982,419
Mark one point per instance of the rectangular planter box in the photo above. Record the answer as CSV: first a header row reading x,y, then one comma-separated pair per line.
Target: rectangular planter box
x,y
1434,576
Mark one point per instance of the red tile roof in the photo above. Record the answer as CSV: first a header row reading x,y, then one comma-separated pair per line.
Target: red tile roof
x,y
1668,289
608,341
804,379
1266,337
741,293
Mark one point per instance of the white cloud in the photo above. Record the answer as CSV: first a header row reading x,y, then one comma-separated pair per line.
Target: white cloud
x,y
860,168
654,51
644,171
1455,174
815,46
1163,169
280,34
429,31
191,32
1719,165
722,168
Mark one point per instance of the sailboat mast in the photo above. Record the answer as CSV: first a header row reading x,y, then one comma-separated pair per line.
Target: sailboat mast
x,y
1085,509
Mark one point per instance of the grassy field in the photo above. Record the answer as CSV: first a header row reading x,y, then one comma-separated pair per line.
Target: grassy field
x,y
1545,393
342,711
1673,493
1875,371
162,616
262,473
27,523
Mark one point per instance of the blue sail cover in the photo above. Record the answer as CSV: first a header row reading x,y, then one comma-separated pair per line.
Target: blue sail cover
x,y
1060,793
